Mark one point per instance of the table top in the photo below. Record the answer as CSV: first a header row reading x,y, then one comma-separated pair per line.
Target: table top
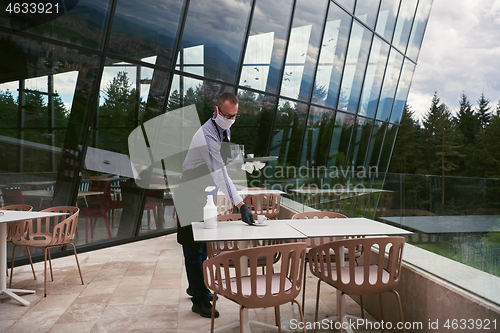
x,y
12,216
48,194
238,231
338,191
250,192
343,227
447,224
260,159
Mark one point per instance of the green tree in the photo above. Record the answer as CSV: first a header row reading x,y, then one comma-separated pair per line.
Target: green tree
x,y
483,110
468,126
442,140
407,155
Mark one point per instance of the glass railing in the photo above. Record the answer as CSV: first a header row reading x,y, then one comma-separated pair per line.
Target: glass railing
x,y
455,217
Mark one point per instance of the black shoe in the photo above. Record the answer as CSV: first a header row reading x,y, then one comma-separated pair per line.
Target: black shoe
x,y
204,310
210,295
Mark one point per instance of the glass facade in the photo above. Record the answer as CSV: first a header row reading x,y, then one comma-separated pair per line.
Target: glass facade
x,y
321,84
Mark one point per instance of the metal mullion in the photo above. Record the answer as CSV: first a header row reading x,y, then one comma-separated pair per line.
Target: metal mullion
x,y
313,82
280,79
245,44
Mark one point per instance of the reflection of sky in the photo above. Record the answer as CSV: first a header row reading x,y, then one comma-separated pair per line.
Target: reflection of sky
x,y
64,85
259,51
295,60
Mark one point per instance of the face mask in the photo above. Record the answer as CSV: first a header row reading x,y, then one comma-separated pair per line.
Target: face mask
x,y
223,122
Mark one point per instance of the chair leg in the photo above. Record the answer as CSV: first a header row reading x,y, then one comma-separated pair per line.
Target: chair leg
x,y
400,309
241,319
45,273
341,311
277,317
50,265
31,262
12,265
212,324
77,263
301,313
86,229
304,287
381,308
361,304
317,304
155,216
106,221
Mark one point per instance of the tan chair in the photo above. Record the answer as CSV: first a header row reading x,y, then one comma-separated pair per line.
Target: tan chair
x,y
264,204
311,242
257,290
376,275
19,208
46,233
224,205
216,248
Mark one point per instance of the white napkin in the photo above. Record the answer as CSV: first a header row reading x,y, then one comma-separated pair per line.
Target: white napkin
x,y
251,166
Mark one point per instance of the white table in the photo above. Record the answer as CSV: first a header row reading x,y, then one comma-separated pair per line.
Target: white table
x,y
12,216
343,227
250,192
240,231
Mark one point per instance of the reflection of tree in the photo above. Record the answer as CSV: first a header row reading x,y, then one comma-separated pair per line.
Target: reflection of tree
x,y
117,114
39,126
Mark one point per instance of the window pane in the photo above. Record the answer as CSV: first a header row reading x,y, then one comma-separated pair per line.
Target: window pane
x,y
403,24
387,18
317,137
80,22
376,139
340,140
402,92
391,78
303,48
253,127
347,4
355,65
146,30
219,29
418,29
332,57
385,156
359,142
266,45
373,78
287,133
366,11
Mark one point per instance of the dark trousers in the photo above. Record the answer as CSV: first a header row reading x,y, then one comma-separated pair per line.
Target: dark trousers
x,y
193,260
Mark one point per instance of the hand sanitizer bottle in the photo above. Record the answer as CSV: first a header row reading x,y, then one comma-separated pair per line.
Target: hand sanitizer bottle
x,y
210,209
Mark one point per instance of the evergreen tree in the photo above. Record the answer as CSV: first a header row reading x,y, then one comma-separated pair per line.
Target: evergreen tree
x,y
483,110
407,154
468,126
469,123
442,140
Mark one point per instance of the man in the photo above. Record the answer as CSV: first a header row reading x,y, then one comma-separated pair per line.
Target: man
x,y
205,165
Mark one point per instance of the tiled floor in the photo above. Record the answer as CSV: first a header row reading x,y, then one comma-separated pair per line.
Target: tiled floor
x,y
136,287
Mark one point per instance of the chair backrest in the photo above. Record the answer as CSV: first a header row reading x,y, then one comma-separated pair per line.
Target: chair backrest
x,y
373,273
315,241
264,204
84,186
12,196
100,201
18,208
214,248
64,226
224,205
265,289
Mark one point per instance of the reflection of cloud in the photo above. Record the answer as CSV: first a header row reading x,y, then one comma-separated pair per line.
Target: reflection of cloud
x,y
459,54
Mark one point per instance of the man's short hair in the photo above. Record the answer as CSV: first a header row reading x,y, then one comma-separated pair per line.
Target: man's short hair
x,y
227,96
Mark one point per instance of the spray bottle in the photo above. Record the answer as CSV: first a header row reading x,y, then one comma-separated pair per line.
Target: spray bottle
x,y
210,209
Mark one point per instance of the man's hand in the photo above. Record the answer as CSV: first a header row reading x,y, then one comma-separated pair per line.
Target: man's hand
x,y
246,215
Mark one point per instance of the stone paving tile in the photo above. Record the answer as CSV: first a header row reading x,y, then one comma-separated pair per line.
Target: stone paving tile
x,y
136,287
